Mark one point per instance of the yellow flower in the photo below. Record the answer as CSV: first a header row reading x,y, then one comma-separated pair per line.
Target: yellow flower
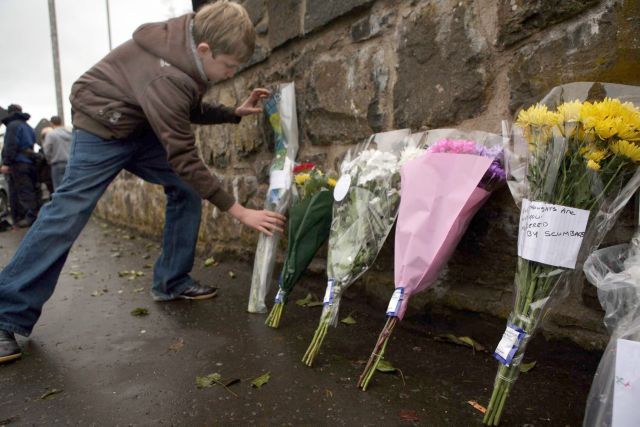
x,y
537,115
626,149
595,155
607,128
569,112
331,182
301,178
274,119
593,165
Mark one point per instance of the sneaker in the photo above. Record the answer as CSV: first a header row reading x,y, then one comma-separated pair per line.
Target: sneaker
x,y
197,291
9,348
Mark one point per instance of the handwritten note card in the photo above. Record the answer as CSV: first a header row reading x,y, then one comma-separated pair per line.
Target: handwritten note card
x,y
551,234
626,386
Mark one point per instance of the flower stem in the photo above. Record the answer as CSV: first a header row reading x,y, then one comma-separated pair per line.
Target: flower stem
x,y
318,338
378,352
273,320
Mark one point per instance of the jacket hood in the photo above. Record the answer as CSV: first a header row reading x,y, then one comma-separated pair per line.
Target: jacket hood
x,y
16,116
172,41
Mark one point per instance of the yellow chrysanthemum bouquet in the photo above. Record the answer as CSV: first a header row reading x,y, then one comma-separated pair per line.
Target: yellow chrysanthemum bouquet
x,y
573,168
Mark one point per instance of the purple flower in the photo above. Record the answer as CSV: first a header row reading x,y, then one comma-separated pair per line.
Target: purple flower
x,y
495,175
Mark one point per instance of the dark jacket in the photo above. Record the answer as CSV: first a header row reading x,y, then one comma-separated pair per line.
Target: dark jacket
x,y
156,80
18,137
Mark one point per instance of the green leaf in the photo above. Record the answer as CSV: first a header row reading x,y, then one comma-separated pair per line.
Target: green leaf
x,y
349,320
50,393
385,366
309,301
463,341
526,367
209,262
208,381
139,311
261,380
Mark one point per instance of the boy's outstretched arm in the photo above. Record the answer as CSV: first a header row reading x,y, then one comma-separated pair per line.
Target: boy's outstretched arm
x,y
266,222
251,105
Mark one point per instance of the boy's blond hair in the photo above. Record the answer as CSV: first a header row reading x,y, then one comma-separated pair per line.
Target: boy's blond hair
x,y
227,28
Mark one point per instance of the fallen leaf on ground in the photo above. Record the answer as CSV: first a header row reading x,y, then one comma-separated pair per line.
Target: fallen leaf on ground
x,y
385,366
138,290
232,274
208,380
309,301
148,265
99,292
526,367
408,415
463,341
261,380
176,345
50,393
139,311
478,406
349,320
328,393
76,274
209,262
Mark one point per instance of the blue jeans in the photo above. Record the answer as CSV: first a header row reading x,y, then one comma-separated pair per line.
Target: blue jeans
x,y
29,279
57,172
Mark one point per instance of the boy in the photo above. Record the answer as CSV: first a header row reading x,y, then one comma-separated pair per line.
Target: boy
x,y
133,110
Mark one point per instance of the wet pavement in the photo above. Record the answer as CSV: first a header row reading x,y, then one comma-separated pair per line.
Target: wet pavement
x,y
89,361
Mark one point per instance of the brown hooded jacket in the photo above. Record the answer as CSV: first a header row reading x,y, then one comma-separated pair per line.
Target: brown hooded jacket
x,y
156,79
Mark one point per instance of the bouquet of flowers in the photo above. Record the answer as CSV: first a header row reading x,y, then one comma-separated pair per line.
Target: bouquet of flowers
x,y
577,169
440,193
366,204
280,110
309,224
615,271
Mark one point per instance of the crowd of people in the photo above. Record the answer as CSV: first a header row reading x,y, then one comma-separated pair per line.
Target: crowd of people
x,y
29,161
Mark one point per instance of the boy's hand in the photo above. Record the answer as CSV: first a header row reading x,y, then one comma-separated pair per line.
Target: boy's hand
x,y
4,169
266,222
251,104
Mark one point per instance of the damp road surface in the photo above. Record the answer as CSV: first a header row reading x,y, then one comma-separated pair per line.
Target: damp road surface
x,y
90,361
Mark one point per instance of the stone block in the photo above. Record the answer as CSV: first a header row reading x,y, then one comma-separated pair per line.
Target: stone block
x,y
441,70
602,46
255,8
521,18
285,21
321,12
343,96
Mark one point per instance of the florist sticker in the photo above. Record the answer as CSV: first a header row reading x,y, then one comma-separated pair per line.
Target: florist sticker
x,y
551,234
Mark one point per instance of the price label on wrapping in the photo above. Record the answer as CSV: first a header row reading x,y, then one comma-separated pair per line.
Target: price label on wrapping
x,y
328,294
551,234
395,302
509,344
279,296
342,187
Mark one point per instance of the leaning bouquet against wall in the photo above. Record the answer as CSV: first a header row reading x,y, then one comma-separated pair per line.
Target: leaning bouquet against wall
x,y
280,110
366,204
577,167
308,229
614,396
441,191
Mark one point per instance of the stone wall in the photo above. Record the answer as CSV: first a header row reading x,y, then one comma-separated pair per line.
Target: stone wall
x,y
363,66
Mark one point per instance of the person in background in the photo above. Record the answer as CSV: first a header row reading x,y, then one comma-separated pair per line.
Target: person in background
x,y
56,145
17,152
